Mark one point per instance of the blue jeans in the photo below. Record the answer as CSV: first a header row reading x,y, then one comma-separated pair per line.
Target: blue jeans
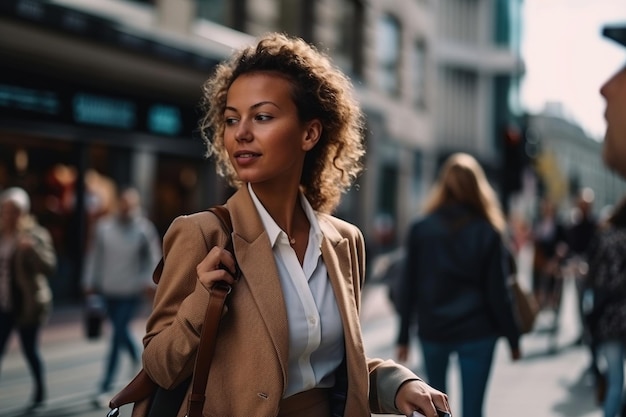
x,y
121,311
475,359
614,353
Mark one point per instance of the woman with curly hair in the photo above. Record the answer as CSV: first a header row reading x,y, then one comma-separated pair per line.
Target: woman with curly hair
x,y
285,129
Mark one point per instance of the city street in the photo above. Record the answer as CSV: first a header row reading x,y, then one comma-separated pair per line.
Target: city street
x,y
541,384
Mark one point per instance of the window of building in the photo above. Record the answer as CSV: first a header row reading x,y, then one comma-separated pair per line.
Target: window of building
x,y
388,48
418,73
230,13
507,23
350,46
388,189
297,17
214,10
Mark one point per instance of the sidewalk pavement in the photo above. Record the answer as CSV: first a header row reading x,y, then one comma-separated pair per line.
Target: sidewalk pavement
x,y
542,384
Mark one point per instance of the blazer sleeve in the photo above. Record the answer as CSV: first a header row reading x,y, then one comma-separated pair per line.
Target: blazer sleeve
x,y
386,376
173,328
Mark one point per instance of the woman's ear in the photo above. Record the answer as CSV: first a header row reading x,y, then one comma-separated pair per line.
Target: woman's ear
x,y
312,134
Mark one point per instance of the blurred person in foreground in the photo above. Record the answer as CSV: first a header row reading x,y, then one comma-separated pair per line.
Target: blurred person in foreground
x,y
286,131
607,259
121,258
27,259
456,281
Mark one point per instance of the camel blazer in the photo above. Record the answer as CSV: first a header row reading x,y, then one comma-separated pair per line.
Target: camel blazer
x,y
249,370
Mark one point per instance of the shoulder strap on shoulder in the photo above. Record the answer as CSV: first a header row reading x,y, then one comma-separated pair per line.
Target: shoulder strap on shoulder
x,y
223,215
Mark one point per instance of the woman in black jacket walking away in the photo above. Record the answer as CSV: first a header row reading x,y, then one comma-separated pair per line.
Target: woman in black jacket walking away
x,y
455,281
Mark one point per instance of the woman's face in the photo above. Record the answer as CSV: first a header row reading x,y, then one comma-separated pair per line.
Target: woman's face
x,y
614,148
265,140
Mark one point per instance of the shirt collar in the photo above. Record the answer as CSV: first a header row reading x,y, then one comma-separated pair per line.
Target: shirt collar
x,y
272,229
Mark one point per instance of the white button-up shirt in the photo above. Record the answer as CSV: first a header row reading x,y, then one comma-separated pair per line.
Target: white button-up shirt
x,y
316,342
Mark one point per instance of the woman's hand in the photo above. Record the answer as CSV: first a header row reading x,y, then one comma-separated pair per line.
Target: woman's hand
x,y
218,265
417,395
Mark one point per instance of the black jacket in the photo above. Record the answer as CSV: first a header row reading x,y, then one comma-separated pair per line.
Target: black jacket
x,y
456,280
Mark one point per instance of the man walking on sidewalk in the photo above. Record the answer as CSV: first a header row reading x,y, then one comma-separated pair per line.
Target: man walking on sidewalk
x,y
120,262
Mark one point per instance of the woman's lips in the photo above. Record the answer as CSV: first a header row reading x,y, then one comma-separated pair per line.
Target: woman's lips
x,y
245,157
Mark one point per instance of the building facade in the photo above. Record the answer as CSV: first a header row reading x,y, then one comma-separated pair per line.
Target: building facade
x,y
566,160
478,71
100,93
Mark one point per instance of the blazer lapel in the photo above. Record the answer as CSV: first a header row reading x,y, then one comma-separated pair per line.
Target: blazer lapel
x,y
256,261
336,255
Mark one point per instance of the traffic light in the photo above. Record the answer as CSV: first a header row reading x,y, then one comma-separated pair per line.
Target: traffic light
x,y
514,158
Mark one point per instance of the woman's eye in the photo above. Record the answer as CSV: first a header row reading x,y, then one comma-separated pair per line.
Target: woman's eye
x,y
263,117
230,121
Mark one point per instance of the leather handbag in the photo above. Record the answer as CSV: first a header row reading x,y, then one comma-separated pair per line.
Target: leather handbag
x,y
525,305
167,403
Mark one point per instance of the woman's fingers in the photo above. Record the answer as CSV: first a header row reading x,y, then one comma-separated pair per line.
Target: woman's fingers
x,y
416,395
218,265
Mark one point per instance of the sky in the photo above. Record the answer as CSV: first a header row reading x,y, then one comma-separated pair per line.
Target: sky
x,y
567,59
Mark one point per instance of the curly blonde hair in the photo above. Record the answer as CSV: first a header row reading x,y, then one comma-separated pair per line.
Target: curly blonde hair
x,y
320,91
462,180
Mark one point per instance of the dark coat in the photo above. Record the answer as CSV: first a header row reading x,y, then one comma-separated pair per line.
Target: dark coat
x,y
456,280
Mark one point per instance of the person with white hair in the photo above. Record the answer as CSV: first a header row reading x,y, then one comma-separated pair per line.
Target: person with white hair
x,y
27,259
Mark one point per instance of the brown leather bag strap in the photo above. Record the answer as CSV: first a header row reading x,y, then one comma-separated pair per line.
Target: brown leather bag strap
x,y
208,335
206,348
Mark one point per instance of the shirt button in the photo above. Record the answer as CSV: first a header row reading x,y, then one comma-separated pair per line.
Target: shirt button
x,y
312,320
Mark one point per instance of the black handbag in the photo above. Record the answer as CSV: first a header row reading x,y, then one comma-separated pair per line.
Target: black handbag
x,y
94,316
167,403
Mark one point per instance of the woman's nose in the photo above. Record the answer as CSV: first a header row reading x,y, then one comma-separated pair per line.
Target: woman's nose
x,y
243,133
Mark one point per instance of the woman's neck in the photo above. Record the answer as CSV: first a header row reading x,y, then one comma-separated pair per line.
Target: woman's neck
x,y
285,208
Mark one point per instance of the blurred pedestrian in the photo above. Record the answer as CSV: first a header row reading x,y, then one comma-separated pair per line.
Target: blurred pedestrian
x,y
27,260
456,281
580,233
583,224
287,133
607,259
120,261
550,246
